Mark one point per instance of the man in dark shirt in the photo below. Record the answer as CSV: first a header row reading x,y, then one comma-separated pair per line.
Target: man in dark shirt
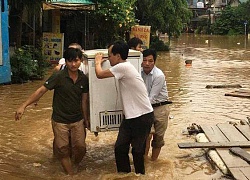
x,y
70,109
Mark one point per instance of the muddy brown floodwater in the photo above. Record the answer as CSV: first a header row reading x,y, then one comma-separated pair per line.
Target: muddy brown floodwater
x,y
26,145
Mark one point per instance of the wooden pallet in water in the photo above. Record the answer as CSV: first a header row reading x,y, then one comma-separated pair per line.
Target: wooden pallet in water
x,y
238,167
231,143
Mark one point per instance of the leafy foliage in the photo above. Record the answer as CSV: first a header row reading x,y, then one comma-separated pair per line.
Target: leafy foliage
x,y
232,19
158,44
27,63
203,26
111,20
164,15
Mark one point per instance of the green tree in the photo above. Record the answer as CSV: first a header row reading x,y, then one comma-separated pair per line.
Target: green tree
x,y
244,9
232,19
111,20
27,63
164,15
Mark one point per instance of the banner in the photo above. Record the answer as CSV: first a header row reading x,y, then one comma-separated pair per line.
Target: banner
x,y
69,4
142,32
53,44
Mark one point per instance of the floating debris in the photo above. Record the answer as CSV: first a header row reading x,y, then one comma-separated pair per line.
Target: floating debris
x,y
37,165
224,86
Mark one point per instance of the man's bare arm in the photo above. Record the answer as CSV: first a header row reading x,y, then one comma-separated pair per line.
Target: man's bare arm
x,y
32,99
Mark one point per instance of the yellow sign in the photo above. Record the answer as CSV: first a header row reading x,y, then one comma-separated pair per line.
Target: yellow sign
x,y
53,46
142,32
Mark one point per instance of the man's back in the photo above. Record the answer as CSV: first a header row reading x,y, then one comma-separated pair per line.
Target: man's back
x,y
133,91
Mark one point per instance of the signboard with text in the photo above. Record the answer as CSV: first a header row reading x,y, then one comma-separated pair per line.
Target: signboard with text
x,y
142,32
53,44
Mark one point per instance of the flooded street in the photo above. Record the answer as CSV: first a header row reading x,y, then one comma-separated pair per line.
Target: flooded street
x,y
26,145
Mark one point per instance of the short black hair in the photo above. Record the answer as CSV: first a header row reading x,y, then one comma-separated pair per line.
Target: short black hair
x,y
133,42
120,47
148,52
70,54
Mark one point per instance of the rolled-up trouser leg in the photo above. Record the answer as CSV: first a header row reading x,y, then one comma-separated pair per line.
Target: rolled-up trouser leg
x,y
78,145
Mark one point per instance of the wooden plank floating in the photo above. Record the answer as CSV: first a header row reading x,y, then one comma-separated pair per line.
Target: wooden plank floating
x,y
224,86
239,93
231,133
245,130
243,154
214,144
240,174
228,133
213,133
243,91
246,172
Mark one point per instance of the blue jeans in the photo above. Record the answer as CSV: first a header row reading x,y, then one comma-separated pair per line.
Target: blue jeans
x,y
135,132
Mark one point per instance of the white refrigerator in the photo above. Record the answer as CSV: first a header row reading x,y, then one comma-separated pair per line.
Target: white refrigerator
x,y
105,101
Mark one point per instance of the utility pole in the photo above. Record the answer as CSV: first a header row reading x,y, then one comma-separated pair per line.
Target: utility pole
x,y
245,23
209,16
246,36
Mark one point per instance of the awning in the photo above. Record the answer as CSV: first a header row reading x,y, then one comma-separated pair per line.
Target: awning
x,y
69,4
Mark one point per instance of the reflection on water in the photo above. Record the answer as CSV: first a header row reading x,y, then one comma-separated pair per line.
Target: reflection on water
x,y
26,145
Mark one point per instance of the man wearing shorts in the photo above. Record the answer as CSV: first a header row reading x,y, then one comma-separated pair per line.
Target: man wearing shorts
x,y
70,109
158,95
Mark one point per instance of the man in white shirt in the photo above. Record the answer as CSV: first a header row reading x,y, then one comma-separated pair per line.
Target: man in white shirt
x,y
137,108
155,82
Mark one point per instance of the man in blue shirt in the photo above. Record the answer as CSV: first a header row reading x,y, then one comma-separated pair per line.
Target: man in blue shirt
x,y
155,82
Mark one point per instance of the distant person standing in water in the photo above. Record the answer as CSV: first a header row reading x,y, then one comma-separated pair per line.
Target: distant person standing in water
x,y
156,85
137,109
70,109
